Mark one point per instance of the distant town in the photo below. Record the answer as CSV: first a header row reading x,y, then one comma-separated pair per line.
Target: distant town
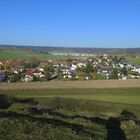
x,y
96,67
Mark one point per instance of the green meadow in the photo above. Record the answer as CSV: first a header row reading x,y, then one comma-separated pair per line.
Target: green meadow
x,y
13,54
122,95
64,114
24,54
135,61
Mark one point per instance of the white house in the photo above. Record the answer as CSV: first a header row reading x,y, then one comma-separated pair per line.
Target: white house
x,y
27,78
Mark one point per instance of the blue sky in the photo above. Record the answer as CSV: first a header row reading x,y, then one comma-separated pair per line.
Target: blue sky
x,y
70,23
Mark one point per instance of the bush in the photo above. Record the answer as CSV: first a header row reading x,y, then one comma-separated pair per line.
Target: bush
x,y
128,115
5,101
26,101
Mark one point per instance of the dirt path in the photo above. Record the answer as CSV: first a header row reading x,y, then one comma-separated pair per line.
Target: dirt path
x,y
72,84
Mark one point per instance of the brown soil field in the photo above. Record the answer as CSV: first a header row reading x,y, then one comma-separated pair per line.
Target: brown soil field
x,y
73,84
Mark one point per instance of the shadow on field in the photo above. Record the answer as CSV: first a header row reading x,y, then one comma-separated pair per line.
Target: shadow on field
x,y
53,113
114,132
7,100
77,129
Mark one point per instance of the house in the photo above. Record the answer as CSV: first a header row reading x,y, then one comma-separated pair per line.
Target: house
x,y
65,71
122,77
104,56
39,73
15,63
105,69
124,63
121,65
54,76
73,73
21,68
86,78
64,64
15,72
134,75
28,78
55,64
44,63
68,73
73,67
81,64
136,69
67,76
129,66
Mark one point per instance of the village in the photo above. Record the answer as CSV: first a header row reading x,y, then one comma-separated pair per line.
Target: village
x,y
99,67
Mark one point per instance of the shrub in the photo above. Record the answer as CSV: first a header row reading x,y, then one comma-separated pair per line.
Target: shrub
x,y
5,101
128,115
27,101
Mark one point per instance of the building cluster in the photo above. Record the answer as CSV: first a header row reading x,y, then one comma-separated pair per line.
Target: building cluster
x,y
93,68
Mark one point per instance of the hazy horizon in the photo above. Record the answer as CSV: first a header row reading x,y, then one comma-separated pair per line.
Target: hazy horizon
x,y
80,23
27,45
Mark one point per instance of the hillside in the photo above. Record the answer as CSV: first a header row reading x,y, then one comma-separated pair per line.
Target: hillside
x,y
49,115
11,53
93,50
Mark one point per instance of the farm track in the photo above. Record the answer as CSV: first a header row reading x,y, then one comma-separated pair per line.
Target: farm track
x,y
97,84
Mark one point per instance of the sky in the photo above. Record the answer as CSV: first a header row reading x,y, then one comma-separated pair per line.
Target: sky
x,y
71,23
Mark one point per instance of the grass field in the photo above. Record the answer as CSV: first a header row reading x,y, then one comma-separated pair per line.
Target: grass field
x,y
135,61
126,95
22,54
64,114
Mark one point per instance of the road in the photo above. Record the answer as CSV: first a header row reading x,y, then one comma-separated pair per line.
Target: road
x,y
72,84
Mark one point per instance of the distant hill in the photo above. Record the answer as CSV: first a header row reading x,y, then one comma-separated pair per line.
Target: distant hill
x,y
49,49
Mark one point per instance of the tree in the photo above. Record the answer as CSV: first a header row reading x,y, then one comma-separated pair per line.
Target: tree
x,y
115,59
48,70
89,69
5,101
7,74
124,71
32,63
114,74
15,78
121,58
